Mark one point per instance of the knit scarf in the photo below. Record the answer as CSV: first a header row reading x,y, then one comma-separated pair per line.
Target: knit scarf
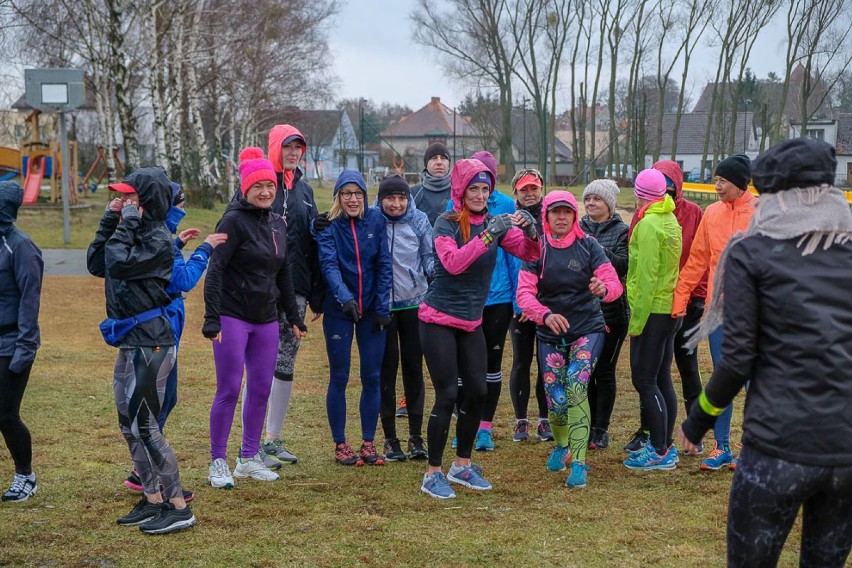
x,y
437,184
814,214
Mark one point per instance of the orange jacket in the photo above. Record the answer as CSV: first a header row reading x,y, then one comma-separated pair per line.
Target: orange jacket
x,y
721,220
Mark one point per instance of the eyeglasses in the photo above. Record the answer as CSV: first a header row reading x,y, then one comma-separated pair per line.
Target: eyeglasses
x,y
347,195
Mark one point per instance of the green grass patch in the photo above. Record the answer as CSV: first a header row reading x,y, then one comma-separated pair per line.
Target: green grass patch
x,y
321,514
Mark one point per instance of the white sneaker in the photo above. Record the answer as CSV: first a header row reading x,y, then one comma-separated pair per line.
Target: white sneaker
x,y
254,468
219,475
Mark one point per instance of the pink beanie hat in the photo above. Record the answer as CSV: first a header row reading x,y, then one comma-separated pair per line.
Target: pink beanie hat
x,y
254,168
650,185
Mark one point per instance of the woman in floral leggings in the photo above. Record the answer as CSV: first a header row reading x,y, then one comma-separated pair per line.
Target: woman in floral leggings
x,y
560,292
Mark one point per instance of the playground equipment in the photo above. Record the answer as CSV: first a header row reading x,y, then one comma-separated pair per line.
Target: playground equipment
x,y
39,159
10,162
101,161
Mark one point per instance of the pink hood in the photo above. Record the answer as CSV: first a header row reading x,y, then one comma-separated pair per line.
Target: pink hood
x,y
277,136
672,171
461,175
575,233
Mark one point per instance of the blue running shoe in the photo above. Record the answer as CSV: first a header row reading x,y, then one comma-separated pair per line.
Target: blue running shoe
x,y
579,477
647,447
649,460
718,458
675,455
468,476
733,465
455,443
559,456
484,441
437,486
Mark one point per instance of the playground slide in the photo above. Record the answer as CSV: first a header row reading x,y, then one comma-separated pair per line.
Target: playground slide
x,y
32,185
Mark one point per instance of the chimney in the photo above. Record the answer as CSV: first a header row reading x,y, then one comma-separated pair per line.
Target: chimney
x,y
436,100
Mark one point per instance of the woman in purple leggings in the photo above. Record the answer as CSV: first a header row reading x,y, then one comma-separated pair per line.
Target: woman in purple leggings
x,y
248,278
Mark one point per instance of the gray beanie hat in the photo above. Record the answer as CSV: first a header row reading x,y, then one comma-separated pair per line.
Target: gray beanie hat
x,y
606,189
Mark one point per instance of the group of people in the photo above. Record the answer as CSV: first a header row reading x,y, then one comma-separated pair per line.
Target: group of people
x,y
442,272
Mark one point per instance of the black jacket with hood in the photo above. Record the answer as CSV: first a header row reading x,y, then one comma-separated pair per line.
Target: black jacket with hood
x,y
21,270
612,236
248,277
136,254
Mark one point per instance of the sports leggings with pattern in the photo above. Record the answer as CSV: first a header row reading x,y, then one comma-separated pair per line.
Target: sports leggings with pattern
x,y
566,370
766,495
139,383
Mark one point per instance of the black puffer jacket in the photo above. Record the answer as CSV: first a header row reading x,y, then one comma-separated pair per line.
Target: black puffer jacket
x,y
135,254
612,235
249,274
787,329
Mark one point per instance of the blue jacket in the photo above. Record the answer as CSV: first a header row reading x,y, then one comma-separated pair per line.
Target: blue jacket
x,y
356,264
185,275
410,244
504,279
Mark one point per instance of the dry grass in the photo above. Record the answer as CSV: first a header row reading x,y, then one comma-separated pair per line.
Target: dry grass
x,y
320,513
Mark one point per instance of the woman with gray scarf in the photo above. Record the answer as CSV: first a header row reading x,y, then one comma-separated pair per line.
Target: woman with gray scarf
x,y
781,293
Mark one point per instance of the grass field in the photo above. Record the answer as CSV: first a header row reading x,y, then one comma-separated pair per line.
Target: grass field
x,y
320,513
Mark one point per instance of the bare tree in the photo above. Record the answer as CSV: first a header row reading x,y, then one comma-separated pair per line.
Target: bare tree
x,y
473,36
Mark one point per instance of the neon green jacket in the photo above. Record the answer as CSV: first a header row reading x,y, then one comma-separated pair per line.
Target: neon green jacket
x,y
654,263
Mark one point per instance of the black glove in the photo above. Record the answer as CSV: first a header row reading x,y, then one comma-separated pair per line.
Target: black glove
x,y
529,228
499,225
211,328
350,310
321,222
380,323
301,325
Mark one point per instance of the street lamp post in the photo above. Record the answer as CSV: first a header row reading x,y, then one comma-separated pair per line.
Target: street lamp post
x,y
361,137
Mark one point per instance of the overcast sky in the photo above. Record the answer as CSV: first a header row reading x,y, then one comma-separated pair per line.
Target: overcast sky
x,y
375,57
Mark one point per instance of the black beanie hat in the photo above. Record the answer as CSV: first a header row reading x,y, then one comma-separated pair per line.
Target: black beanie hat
x,y
435,149
394,185
736,169
800,162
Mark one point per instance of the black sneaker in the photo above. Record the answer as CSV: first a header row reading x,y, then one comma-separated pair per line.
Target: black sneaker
x,y
393,451
169,520
417,449
598,439
143,511
21,489
637,442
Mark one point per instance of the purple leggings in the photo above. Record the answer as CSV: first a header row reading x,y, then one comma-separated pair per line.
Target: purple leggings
x,y
249,347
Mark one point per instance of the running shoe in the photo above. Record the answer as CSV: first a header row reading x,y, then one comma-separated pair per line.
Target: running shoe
x,y
649,459
188,495
455,443
370,455
169,519
598,439
675,455
219,474
402,409
559,456
720,457
141,512
733,465
699,450
417,449
393,450
133,482
579,475
22,488
484,441
344,455
468,476
253,467
436,485
276,449
521,431
543,432
637,442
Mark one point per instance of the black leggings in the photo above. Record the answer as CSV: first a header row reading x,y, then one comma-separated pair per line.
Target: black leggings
x,y
687,363
402,341
15,432
651,355
766,495
602,385
495,326
523,354
452,353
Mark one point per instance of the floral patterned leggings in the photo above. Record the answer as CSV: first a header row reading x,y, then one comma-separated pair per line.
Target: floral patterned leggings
x,y
566,369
